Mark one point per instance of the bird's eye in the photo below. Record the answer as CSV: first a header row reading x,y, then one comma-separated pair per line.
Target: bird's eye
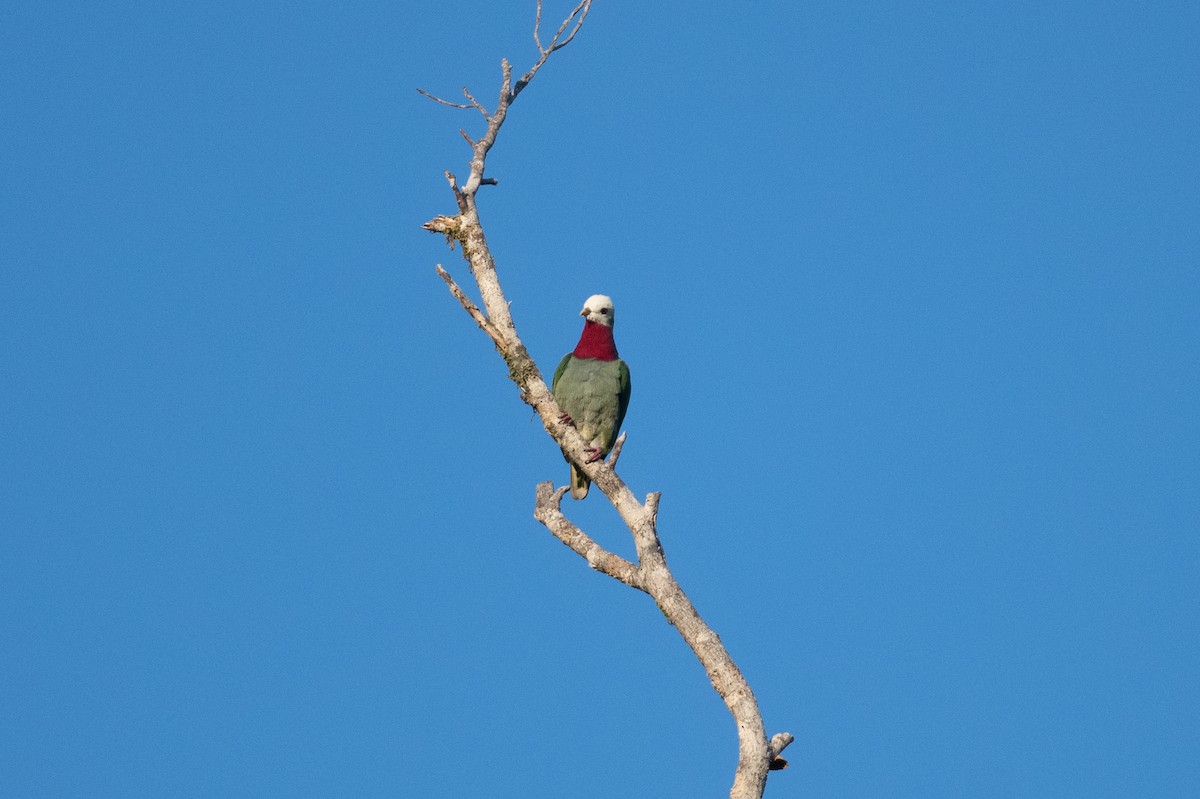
x,y
604,311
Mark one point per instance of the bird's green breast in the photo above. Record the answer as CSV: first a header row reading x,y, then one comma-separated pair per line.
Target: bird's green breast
x,y
595,394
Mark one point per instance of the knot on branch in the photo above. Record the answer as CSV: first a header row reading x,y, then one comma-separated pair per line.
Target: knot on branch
x,y
449,226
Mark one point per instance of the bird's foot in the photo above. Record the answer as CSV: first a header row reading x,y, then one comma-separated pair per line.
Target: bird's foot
x,y
565,418
594,454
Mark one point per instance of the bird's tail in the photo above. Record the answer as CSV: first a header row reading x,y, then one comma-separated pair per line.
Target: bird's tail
x,y
579,483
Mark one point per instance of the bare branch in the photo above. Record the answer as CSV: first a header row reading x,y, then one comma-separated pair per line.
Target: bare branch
x,y
578,15
469,306
581,11
471,102
537,24
548,511
508,93
584,7
475,104
495,120
437,99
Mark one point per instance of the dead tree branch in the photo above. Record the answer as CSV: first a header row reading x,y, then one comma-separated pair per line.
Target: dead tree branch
x,y
756,754
437,99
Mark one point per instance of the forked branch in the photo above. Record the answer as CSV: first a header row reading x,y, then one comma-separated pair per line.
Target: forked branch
x,y
578,15
650,574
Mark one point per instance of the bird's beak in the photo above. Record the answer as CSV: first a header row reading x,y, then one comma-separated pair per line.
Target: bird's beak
x,y
584,312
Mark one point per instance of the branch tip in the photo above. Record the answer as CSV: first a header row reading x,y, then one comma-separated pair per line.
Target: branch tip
x,y
779,742
616,451
549,497
458,194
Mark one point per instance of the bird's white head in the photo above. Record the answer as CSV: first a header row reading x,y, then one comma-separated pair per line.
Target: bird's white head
x,y
598,308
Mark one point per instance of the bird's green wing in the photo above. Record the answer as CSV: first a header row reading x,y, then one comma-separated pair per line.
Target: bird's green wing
x,y
622,398
562,367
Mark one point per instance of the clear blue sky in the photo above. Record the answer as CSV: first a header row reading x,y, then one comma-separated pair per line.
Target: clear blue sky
x,y
909,293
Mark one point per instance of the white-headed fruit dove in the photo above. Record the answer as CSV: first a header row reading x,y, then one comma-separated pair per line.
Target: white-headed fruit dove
x,y
591,386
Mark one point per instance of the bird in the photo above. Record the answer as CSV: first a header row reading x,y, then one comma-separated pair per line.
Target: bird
x,y
591,386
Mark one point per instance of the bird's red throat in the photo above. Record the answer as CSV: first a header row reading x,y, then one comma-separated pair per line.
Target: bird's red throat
x,y
596,342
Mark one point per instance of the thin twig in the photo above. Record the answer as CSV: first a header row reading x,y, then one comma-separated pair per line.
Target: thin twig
x,y
437,99
537,24
585,7
476,105
470,307
580,11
